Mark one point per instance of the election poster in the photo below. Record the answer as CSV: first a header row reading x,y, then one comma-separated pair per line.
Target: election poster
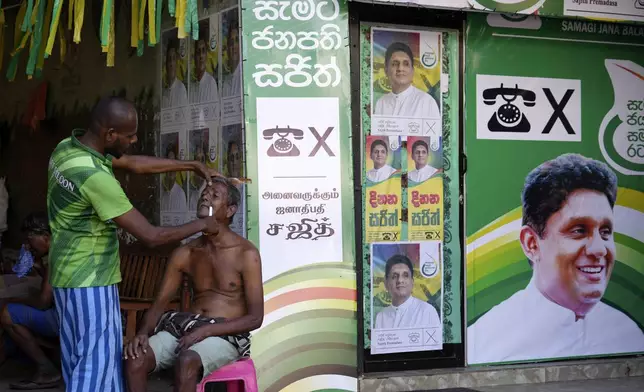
x,y
406,281
383,209
406,82
425,188
555,197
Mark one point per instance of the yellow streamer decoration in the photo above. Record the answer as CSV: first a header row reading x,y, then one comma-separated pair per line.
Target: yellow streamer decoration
x,y
58,5
181,18
110,38
134,34
79,17
152,28
70,14
142,19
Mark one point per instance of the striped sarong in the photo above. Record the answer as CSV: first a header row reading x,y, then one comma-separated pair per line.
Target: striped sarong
x,y
91,338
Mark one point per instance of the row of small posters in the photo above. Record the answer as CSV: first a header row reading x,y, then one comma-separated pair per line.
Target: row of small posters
x,y
404,165
201,115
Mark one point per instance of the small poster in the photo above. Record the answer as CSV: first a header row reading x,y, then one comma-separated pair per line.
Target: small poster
x,y
383,210
425,188
405,82
407,299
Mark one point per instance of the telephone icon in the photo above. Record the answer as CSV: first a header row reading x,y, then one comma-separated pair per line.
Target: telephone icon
x,y
283,146
639,4
508,117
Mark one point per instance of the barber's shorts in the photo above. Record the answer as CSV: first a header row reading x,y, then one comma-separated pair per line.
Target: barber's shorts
x,y
41,322
215,352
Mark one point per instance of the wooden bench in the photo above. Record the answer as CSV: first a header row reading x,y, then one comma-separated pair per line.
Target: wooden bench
x,y
142,273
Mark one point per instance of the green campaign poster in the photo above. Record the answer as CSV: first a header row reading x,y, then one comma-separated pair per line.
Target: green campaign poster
x,y
555,189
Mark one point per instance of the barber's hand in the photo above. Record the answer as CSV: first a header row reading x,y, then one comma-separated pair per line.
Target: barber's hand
x,y
211,225
191,339
137,347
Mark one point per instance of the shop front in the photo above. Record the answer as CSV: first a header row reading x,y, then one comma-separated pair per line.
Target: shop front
x,y
421,221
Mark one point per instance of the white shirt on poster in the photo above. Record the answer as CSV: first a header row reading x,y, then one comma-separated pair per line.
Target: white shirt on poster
x,y
422,174
231,86
174,200
412,102
528,326
413,313
204,91
378,175
174,96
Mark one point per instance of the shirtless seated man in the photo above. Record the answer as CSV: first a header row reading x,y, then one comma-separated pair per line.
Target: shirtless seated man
x,y
226,273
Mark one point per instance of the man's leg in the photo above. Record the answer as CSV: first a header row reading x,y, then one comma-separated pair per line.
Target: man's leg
x,y
16,321
91,338
187,371
160,355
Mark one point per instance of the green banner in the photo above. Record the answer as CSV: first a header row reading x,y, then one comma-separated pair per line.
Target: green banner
x,y
608,10
552,257
300,207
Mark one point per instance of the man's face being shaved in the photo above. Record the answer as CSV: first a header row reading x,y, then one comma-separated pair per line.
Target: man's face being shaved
x,y
215,196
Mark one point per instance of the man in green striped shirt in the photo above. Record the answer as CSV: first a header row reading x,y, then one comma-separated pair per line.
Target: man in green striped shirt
x,y
86,204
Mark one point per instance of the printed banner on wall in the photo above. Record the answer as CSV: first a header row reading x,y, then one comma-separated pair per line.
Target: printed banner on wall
x,y
610,10
406,316
296,108
383,210
201,116
406,76
555,191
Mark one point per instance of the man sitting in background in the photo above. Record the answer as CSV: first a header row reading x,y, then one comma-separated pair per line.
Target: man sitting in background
x,y
21,318
228,302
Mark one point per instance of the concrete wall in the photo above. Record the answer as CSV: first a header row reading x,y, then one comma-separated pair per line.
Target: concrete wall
x,y
73,88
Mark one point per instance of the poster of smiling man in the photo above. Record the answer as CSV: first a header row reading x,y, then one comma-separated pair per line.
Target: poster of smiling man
x,y
406,279
405,82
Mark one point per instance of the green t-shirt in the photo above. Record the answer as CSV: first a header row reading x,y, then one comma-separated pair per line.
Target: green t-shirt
x,y
82,199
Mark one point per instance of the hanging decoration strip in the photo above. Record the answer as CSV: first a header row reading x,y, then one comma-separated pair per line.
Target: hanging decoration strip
x,y
38,23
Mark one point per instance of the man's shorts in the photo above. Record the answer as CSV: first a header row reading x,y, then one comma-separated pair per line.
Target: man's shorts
x,y
215,352
41,322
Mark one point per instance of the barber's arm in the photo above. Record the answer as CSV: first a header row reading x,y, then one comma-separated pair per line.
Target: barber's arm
x,y
142,164
254,293
43,300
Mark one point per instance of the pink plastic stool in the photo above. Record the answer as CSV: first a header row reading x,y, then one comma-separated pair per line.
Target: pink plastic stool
x,y
239,376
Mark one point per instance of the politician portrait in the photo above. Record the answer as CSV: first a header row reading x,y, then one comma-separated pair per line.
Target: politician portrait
x,y
423,162
174,92
382,162
567,236
203,87
408,299
402,86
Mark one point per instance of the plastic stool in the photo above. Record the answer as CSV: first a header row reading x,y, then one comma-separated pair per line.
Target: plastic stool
x,y
239,376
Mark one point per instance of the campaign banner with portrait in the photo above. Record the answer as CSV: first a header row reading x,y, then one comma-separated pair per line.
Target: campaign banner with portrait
x,y
406,82
555,190
383,210
425,188
407,301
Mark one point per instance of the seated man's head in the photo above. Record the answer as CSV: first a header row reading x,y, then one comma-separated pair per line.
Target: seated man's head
x,y
36,228
567,231
171,56
399,66
223,197
379,153
201,53
419,153
399,278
